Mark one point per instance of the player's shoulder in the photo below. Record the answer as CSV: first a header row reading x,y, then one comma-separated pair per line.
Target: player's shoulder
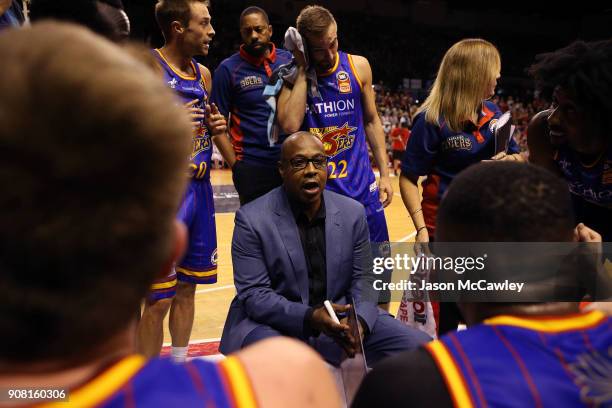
x,y
492,106
204,71
230,61
541,118
359,59
282,55
538,127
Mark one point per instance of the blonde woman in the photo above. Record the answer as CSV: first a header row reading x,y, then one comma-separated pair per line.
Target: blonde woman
x,y
451,131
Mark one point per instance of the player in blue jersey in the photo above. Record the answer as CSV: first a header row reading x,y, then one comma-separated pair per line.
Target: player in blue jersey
x,y
238,92
512,354
453,129
574,137
187,29
88,222
344,117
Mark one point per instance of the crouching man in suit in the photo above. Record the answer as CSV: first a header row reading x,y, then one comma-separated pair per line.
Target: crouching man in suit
x,y
297,246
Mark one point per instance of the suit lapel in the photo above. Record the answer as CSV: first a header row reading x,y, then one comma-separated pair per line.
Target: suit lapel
x,y
288,230
333,246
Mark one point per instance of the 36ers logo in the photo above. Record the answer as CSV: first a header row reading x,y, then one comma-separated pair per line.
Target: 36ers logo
x,y
344,82
335,139
201,141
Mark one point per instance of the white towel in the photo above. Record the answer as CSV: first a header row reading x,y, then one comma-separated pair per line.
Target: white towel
x,y
294,41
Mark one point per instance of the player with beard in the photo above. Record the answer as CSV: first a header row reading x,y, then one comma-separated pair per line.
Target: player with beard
x,y
344,117
237,91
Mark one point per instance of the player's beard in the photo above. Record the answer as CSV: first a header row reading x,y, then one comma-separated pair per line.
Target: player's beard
x,y
257,49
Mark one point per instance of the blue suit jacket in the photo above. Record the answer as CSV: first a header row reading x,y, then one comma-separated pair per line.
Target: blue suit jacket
x,y
270,271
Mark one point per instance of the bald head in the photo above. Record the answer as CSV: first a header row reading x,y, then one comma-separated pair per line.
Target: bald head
x,y
297,141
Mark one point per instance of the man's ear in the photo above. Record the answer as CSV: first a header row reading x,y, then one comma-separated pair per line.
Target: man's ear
x,y
271,31
281,170
177,27
179,246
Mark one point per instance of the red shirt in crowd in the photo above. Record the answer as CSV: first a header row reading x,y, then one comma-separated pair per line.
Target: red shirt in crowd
x,y
399,138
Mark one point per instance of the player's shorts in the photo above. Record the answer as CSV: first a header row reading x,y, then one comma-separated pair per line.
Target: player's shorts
x,y
398,154
197,211
199,265
163,288
379,239
377,223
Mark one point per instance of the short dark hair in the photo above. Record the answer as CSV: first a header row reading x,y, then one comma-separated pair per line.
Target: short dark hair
x,y
254,10
90,186
167,11
97,15
505,201
584,69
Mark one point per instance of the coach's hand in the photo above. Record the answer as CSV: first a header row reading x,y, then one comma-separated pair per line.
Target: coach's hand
x,y
385,191
322,322
215,120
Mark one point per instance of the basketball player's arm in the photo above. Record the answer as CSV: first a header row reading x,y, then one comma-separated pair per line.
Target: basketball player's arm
x,y
373,128
285,372
291,104
221,138
219,94
541,150
215,121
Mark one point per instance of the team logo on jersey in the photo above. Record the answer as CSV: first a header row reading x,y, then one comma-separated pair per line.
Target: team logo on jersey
x,y
457,142
335,139
249,81
172,83
201,141
344,82
213,257
592,373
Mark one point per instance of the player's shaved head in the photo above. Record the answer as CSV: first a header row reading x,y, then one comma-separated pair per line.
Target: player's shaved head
x,y
505,201
93,159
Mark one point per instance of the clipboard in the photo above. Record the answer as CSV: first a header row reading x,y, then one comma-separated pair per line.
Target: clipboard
x,y
354,369
503,132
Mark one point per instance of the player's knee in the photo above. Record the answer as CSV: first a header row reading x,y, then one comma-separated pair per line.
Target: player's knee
x,y
185,291
159,308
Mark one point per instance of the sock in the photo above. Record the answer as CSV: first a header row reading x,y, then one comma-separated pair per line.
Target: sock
x,y
179,354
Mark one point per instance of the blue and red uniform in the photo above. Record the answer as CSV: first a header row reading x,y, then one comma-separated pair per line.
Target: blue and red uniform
x,y
135,382
591,188
512,361
237,91
337,119
440,154
197,210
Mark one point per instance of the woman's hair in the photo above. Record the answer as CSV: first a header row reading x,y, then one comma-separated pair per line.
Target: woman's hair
x,y
467,68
